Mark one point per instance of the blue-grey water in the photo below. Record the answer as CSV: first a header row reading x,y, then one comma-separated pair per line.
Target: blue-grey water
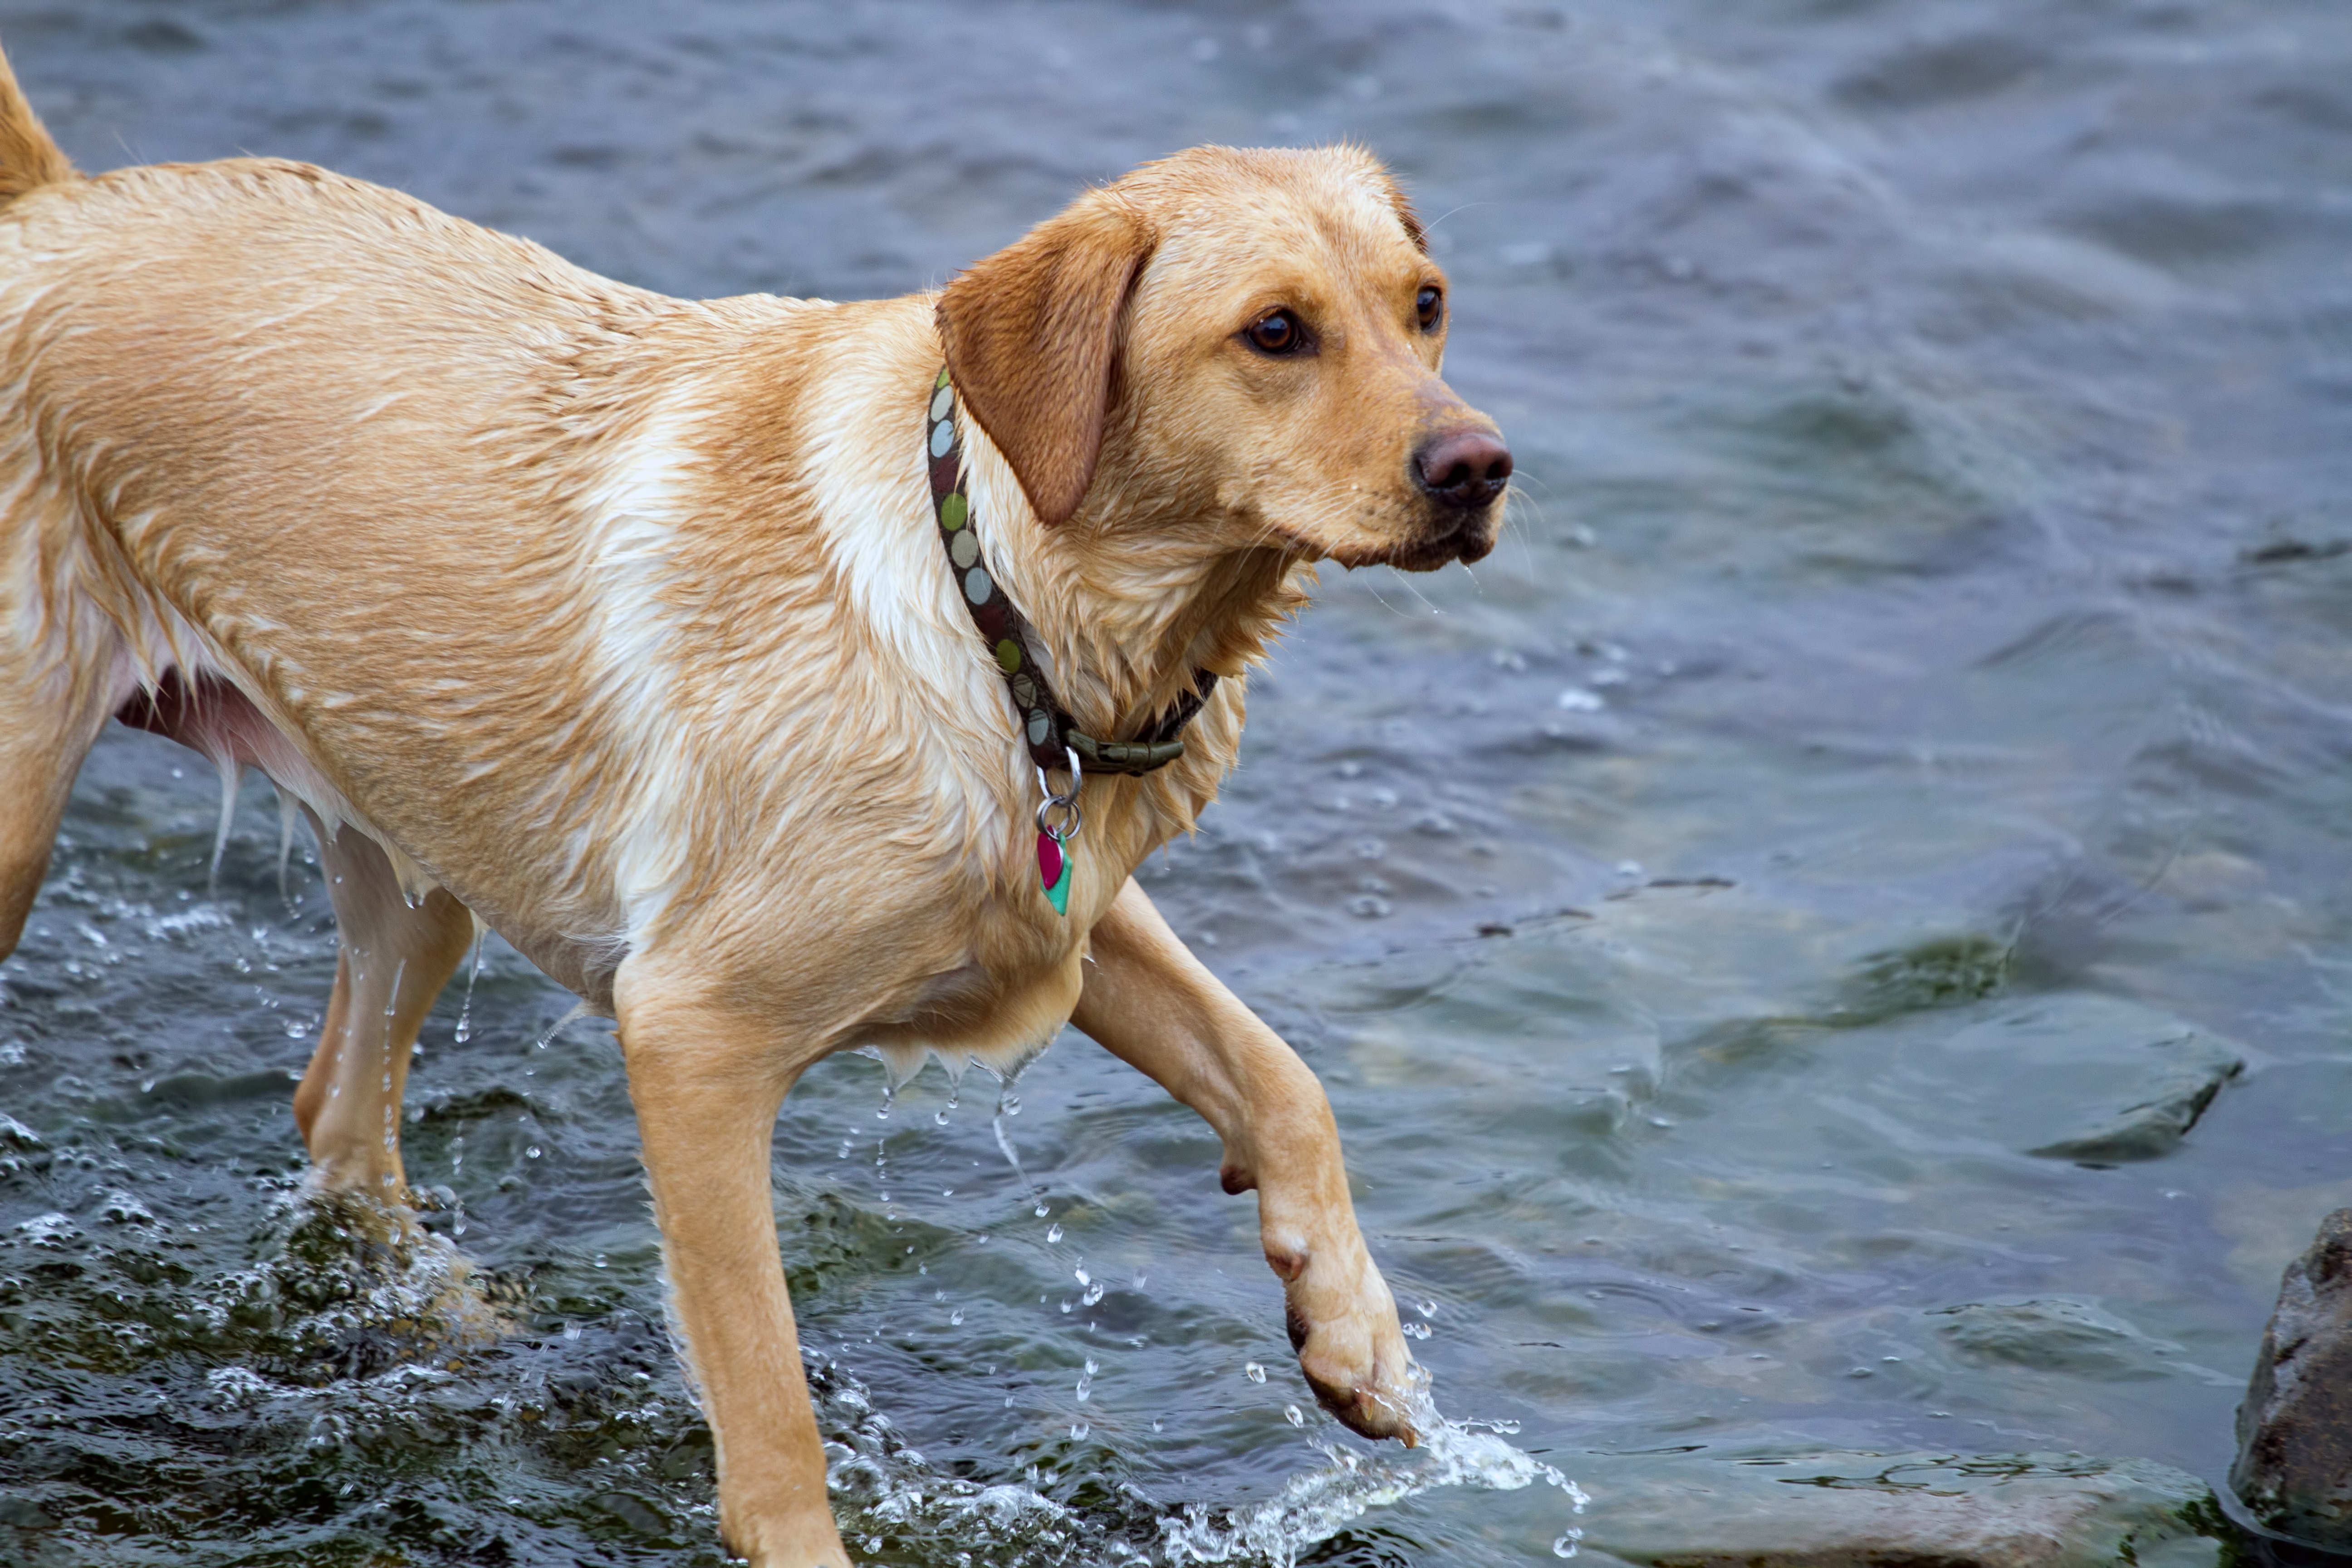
x,y
1905,728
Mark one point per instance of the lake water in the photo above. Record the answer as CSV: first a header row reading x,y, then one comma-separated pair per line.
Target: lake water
x,y
1905,728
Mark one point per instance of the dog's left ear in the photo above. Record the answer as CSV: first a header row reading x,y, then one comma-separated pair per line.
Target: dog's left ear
x,y
1032,340
1402,205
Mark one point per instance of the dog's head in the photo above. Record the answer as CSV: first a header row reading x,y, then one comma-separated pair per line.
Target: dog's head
x,y
1241,344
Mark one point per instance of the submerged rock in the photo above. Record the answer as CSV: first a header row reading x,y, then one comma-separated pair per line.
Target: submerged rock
x,y
1908,1511
2095,1078
2059,1335
2294,1430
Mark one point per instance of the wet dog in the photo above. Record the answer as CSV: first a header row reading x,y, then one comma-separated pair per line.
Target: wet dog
x,y
624,625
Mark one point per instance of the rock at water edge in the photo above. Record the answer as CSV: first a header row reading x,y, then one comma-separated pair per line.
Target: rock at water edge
x,y
2294,1430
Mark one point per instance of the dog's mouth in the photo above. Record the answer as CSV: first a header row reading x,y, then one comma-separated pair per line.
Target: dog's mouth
x,y
1468,540
1471,542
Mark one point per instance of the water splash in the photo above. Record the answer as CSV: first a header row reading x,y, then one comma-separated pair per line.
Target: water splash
x,y
882,1487
1319,1504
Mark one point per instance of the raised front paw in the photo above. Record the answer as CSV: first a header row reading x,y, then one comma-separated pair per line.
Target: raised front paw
x,y
1343,1325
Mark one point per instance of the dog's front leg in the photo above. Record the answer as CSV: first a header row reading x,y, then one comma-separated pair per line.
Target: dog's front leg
x,y
1152,1004
707,1084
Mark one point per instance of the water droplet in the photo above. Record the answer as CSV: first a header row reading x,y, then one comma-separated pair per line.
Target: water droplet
x,y
1084,1277
1291,1414
955,1318
1079,1429
1415,1331
1054,1232
1094,1293
600,1260
1427,1308
532,1150
1253,1372
1155,1425
1566,1545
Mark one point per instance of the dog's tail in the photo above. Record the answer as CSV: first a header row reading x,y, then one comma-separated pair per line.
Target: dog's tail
x,y
28,158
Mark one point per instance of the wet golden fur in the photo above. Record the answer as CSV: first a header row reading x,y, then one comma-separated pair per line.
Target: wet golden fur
x,y
619,623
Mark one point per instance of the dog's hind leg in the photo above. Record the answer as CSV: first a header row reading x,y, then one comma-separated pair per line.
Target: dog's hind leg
x,y
51,710
393,961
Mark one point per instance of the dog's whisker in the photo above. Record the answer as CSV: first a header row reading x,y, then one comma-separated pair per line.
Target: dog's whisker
x,y
1431,226
1519,531
1414,589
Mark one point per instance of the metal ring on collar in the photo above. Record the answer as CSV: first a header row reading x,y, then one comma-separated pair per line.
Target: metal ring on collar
x,y
1071,818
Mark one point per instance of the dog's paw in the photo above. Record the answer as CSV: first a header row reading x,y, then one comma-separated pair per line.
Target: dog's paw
x,y
1343,1325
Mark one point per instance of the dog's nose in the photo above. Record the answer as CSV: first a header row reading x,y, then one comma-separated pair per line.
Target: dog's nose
x,y
1465,467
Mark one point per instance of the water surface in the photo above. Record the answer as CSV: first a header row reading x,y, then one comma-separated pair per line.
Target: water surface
x,y
1903,730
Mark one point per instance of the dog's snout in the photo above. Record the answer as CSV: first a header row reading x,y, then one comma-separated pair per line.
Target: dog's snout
x,y
1465,468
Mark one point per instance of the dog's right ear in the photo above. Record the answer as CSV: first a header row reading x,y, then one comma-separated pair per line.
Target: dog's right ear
x,y
1031,338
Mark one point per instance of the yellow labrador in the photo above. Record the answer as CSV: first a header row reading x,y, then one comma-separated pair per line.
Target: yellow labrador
x,y
712,652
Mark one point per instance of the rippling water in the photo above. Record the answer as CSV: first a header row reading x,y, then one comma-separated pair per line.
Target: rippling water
x,y
1765,932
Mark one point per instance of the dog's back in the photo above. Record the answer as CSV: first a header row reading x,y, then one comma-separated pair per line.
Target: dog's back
x,y
276,438
269,432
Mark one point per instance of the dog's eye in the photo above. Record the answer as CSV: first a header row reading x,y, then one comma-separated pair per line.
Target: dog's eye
x,y
1277,332
1429,304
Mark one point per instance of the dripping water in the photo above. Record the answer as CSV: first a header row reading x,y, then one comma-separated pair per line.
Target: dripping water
x,y
1008,1105
473,973
232,775
286,812
576,1011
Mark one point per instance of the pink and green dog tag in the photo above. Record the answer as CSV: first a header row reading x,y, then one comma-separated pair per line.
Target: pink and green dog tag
x,y
1054,872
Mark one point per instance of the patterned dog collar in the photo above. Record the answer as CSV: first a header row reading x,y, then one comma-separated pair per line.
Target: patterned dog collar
x,y
1046,726
1054,743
